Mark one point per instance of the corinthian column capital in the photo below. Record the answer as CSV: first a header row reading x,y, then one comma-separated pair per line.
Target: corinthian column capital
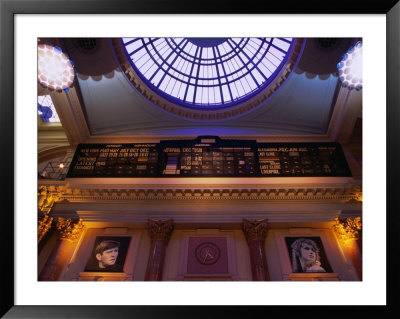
x,y
160,229
255,229
69,229
44,225
348,228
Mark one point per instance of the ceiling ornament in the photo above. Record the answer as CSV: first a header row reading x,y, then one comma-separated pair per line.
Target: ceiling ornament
x,y
55,70
350,68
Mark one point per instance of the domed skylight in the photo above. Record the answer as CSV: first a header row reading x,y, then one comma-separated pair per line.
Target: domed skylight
x,y
207,73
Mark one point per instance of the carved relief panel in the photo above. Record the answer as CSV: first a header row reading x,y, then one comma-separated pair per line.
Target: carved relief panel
x,y
207,254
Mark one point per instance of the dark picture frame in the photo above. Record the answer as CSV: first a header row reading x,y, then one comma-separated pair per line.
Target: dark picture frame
x,y
308,240
123,245
8,10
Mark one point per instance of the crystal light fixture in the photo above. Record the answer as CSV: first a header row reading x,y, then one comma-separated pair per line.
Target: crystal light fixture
x,y
55,70
350,68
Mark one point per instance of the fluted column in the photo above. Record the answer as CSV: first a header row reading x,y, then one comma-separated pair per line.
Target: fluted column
x,y
68,232
349,233
160,233
255,233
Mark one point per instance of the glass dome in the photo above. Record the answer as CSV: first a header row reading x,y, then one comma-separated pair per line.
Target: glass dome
x,y
207,73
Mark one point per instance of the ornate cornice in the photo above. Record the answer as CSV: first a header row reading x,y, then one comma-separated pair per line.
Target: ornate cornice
x,y
44,224
69,229
49,193
47,196
255,230
293,194
160,229
95,193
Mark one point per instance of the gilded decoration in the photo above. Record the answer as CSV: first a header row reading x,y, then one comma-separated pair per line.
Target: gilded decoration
x,y
348,228
47,196
255,229
69,229
44,225
210,194
160,229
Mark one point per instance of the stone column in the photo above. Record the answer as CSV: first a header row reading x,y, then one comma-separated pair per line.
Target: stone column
x,y
68,232
348,231
160,233
255,233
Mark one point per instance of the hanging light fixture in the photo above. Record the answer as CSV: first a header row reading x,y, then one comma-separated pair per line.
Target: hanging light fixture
x,y
350,68
55,70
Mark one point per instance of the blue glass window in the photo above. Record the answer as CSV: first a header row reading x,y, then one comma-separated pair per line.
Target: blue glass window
x,y
207,73
46,109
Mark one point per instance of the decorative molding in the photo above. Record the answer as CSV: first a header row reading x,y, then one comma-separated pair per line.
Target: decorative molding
x,y
311,277
47,196
102,276
255,230
44,225
160,230
69,229
93,193
359,197
209,217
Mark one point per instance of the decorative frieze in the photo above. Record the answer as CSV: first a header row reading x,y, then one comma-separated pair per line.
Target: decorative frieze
x,y
292,194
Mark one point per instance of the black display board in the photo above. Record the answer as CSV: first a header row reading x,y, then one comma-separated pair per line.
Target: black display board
x,y
302,159
115,160
209,156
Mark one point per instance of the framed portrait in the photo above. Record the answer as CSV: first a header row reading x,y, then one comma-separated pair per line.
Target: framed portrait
x,y
307,254
108,254
14,281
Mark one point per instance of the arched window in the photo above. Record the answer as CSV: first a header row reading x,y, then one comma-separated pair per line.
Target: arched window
x,y
207,73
